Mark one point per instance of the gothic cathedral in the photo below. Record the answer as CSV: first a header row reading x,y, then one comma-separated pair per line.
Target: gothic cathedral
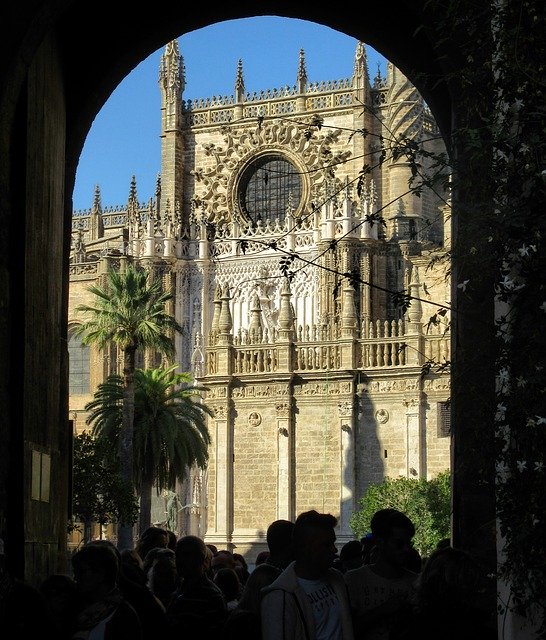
x,y
312,283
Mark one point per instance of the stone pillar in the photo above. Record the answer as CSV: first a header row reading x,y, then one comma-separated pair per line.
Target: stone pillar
x,y
222,526
414,458
285,446
347,452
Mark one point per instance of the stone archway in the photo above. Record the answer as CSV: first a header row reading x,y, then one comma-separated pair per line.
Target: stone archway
x,y
58,68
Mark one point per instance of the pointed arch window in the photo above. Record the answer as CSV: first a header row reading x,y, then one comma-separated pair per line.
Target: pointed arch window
x,y
78,365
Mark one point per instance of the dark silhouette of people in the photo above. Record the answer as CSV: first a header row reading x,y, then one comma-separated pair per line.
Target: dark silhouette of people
x,y
279,543
381,591
132,584
228,582
24,611
309,599
149,539
446,603
241,567
198,605
61,594
103,612
350,556
244,621
161,575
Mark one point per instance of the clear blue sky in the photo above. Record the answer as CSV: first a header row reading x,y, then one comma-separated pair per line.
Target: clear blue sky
x,y
124,139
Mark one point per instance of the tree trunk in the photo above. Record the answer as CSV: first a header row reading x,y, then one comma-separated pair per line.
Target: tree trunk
x,y
145,505
125,529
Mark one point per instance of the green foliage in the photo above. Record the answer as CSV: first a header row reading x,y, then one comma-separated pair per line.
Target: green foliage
x,y
170,430
129,310
427,503
99,493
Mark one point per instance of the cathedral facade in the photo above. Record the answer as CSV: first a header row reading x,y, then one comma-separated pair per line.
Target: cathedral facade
x,y
310,276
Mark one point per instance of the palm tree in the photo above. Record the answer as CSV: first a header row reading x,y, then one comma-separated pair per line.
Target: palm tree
x,y
131,312
170,430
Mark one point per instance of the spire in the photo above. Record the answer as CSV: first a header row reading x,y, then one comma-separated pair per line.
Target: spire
x,y
97,206
256,327
239,82
286,313
171,70
361,78
133,199
158,192
302,73
348,312
172,83
96,224
415,311
225,322
378,80
215,328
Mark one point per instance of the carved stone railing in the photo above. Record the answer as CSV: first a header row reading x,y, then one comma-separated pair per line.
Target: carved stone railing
x,y
274,102
319,348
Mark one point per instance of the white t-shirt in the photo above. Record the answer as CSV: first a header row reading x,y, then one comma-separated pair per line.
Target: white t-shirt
x,y
326,610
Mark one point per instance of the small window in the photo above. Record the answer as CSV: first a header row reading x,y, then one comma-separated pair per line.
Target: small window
x,y
78,362
444,419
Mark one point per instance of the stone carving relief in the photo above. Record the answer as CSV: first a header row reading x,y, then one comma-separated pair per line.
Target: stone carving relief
x,y
216,184
282,409
254,419
345,408
260,391
323,388
220,412
382,416
388,386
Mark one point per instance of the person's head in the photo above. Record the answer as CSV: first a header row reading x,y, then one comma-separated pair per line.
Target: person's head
x,y
314,539
392,531
223,559
96,569
279,541
60,591
228,582
450,580
350,555
191,555
262,557
149,539
160,568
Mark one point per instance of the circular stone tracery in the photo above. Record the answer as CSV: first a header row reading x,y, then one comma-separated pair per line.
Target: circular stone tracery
x,y
269,185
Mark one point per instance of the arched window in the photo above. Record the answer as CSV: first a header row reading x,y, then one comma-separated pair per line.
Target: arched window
x,y
78,363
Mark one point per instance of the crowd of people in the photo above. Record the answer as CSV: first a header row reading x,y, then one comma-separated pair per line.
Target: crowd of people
x,y
301,588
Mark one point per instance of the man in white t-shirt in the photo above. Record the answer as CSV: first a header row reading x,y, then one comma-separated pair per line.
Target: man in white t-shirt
x,y
308,601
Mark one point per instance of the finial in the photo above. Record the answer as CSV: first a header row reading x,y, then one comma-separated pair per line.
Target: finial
x,y
97,206
360,74
302,73
133,191
378,80
172,71
239,79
